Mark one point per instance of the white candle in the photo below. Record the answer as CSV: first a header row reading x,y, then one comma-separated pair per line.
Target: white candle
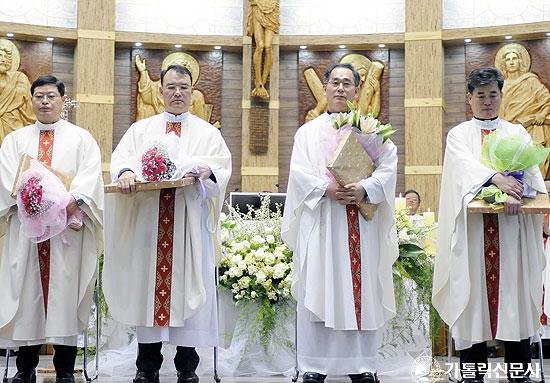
x,y
429,218
400,203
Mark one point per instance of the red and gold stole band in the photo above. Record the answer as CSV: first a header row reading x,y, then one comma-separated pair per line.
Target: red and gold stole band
x,y
165,247
354,242
491,247
45,154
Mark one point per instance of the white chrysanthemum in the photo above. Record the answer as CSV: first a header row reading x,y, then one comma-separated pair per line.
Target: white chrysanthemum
x,y
258,240
253,294
269,259
241,265
267,284
252,269
223,217
268,270
238,247
279,270
272,294
403,235
260,254
278,254
270,238
260,277
244,282
225,234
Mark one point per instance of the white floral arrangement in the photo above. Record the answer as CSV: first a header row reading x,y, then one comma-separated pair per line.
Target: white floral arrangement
x,y
256,265
412,276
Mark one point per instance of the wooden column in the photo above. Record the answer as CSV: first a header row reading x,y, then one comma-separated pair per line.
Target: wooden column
x,y
424,104
94,71
260,172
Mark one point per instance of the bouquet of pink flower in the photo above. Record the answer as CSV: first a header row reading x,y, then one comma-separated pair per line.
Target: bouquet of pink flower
x,y
156,164
42,201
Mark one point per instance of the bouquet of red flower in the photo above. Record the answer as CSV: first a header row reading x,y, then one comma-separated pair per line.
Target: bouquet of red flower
x,y
42,200
31,195
156,164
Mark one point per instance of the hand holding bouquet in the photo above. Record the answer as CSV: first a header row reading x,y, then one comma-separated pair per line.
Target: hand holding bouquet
x,y
510,155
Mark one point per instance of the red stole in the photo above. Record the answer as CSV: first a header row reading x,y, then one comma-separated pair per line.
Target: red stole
x,y
165,247
45,154
491,246
354,243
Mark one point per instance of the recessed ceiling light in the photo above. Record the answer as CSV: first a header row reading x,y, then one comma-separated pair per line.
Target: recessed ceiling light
x,y
177,46
467,40
381,45
342,46
49,38
9,34
303,46
138,44
217,47
507,37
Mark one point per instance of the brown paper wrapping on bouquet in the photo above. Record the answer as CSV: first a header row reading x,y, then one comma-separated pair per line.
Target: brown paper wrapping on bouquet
x,y
350,163
147,186
25,163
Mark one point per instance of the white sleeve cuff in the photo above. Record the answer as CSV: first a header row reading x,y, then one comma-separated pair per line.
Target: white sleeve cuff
x,y
374,189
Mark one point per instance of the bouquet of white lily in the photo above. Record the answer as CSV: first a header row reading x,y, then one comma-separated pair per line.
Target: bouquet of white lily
x,y
371,133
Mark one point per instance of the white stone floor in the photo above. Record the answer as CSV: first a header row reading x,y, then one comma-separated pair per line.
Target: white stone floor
x,y
46,376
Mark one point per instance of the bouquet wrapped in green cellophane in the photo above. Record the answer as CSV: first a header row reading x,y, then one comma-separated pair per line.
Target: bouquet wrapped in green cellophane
x,y
510,155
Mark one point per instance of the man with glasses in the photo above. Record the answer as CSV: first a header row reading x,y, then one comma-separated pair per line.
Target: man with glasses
x,y
160,245
46,288
343,263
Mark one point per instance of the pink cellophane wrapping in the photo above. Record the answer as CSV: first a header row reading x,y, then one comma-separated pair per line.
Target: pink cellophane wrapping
x,y
51,219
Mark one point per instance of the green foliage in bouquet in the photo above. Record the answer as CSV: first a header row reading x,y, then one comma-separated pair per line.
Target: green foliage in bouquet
x,y
511,153
365,123
256,265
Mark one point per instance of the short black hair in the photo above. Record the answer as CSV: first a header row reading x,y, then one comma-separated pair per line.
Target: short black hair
x,y
177,68
356,77
46,80
485,76
412,191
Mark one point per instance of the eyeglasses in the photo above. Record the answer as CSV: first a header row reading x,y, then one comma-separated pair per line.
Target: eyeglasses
x,y
345,83
49,96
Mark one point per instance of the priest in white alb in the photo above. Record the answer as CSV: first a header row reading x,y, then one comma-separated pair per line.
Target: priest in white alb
x,y
46,288
487,276
342,262
161,246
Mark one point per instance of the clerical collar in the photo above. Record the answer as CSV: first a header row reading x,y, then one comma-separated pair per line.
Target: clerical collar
x,y
42,126
175,118
487,124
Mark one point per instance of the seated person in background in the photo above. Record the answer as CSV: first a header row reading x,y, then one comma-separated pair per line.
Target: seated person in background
x,y
412,199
